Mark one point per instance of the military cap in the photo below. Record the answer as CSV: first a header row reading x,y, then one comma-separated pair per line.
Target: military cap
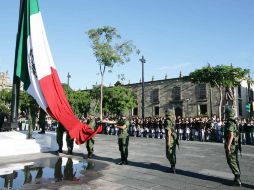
x,y
170,112
230,112
123,113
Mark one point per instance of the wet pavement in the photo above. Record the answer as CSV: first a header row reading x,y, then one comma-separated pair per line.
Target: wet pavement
x,y
50,172
199,166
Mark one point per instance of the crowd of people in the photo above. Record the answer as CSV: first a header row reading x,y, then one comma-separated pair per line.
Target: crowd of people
x,y
202,129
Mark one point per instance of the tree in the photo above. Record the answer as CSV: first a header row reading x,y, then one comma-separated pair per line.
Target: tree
x,y
80,102
221,77
119,99
5,102
108,50
29,109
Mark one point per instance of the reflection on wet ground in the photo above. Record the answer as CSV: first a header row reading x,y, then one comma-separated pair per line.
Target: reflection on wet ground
x,y
44,171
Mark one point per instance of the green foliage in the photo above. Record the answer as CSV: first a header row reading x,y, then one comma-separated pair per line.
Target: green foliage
x,y
107,50
5,101
79,101
4,109
27,104
220,76
66,88
118,99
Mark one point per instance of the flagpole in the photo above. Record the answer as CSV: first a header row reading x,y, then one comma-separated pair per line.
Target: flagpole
x,y
16,81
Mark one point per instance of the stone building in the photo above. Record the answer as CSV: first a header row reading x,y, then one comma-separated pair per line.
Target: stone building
x,y
5,82
188,99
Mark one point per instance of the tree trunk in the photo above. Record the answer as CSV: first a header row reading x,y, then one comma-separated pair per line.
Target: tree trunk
x,y
30,131
102,77
220,106
102,70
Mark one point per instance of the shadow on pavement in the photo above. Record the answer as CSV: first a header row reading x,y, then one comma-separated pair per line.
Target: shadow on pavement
x,y
210,178
158,167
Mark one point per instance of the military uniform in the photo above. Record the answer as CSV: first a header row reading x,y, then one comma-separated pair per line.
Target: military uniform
x,y
42,121
123,140
231,148
169,125
59,138
90,143
1,120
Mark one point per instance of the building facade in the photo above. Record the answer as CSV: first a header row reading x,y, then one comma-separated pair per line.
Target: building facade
x,y
5,82
187,99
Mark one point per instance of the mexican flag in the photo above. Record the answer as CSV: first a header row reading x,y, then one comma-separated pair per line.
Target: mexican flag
x,y
36,69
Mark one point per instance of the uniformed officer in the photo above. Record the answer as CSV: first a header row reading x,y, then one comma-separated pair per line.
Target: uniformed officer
x,y
59,138
231,144
1,119
123,137
90,143
171,138
42,121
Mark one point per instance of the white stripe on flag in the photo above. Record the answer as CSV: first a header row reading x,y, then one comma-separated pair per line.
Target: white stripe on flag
x,y
42,55
34,88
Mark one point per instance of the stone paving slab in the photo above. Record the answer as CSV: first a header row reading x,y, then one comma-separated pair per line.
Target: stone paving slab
x,y
199,166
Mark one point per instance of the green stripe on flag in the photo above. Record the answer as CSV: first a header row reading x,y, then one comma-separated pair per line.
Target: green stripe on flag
x,y
22,66
34,7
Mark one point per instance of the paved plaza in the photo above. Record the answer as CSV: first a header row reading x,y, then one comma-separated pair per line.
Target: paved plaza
x,y
199,166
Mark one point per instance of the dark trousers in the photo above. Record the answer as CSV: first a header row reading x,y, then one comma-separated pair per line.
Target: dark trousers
x,y
59,138
123,148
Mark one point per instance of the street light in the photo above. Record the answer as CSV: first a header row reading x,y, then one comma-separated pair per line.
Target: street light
x,y
68,81
142,60
188,99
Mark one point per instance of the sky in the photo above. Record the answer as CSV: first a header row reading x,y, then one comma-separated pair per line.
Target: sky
x,y
173,36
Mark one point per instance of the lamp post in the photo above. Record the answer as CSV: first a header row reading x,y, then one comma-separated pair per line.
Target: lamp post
x,y
188,99
249,95
142,60
68,81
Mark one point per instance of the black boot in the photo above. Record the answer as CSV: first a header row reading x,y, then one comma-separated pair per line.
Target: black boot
x,y
173,169
125,162
69,151
59,150
122,160
237,180
41,132
90,155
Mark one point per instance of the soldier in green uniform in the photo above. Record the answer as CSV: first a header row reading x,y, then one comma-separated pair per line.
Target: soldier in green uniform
x,y
90,143
59,138
123,138
171,138
231,144
42,121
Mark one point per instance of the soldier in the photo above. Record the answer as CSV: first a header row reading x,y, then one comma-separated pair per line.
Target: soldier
x,y
42,121
171,138
231,144
90,143
123,136
59,138
1,119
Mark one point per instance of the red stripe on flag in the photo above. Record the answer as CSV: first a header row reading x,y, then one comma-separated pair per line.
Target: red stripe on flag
x,y
60,109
